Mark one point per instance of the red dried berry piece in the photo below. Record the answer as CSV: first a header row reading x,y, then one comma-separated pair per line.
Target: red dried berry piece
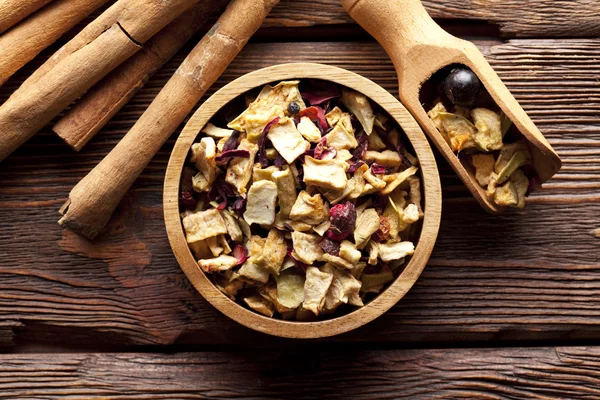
x,y
240,253
188,200
232,142
320,148
343,219
377,169
229,154
383,233
320,93
239,206
354,166
330,247
317,113
362,147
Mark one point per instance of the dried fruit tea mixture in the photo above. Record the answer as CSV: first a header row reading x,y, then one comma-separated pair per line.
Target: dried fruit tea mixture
x,y
476,129
305,204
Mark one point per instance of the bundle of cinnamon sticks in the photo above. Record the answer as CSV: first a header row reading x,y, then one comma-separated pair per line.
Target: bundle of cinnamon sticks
x,y
103,66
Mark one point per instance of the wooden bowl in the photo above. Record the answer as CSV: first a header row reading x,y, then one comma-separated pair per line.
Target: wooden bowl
x,y
294,329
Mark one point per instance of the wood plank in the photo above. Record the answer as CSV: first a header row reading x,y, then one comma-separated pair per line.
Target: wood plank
x,y
539,18
540,373
523,275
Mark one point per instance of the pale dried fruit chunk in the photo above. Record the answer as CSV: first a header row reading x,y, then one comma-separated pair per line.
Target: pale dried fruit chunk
x,y
375,182
310,209
415,193
394,251
343,155
366,225
214,245
322,228
203,224
349,252
373,252
269,293
290,288
261,305
484,167
203,155
521,184
221,263
388,158
272,102
393,218
373,283
340,139
239,171
334,116
286,191
309,130
458,130
273,253
200,249
337,261
342,287
489,131
306,247
434,115
399,178
512,156
410,215
315,288
329,174
216,132
233,228
359,105
375,142
250,270
260,208
263,174
286,140
506,195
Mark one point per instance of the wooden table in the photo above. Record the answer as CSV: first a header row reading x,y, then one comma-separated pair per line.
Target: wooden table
x,y
509,306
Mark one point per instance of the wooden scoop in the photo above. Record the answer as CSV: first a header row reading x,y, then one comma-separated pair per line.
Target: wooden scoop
x,y
419,48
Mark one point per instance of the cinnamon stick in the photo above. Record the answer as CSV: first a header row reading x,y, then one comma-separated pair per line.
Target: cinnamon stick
x,y
24,41
95,197
108,96
13,11
32,107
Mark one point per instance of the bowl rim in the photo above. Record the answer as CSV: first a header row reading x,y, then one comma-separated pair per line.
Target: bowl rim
x,y
431,188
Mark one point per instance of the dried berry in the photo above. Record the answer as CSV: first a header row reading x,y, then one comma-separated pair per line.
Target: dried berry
x,y
383,233
232,142
315,113
354,166
462,87
240,253
362,147
319,95
239,205
229,154
377,169
330,247
293,108
343,219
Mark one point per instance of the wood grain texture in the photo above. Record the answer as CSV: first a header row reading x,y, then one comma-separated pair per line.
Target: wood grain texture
x,y
540,18
524,275
309,373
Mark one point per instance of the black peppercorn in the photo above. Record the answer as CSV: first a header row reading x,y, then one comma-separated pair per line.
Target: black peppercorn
x,y
293,108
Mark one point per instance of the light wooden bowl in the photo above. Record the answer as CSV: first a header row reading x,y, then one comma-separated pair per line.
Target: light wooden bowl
x,y
360,316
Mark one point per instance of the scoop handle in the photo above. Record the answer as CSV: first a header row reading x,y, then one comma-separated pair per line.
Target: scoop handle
x,y
400,26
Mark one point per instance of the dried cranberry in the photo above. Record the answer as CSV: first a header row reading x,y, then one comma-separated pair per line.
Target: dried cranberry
x,y
343,219
330,247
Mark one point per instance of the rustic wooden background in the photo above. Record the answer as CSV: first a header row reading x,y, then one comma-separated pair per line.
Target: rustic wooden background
x,y
503,309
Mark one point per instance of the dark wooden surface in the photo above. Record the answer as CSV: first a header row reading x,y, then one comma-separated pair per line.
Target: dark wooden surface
x,y
521,279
